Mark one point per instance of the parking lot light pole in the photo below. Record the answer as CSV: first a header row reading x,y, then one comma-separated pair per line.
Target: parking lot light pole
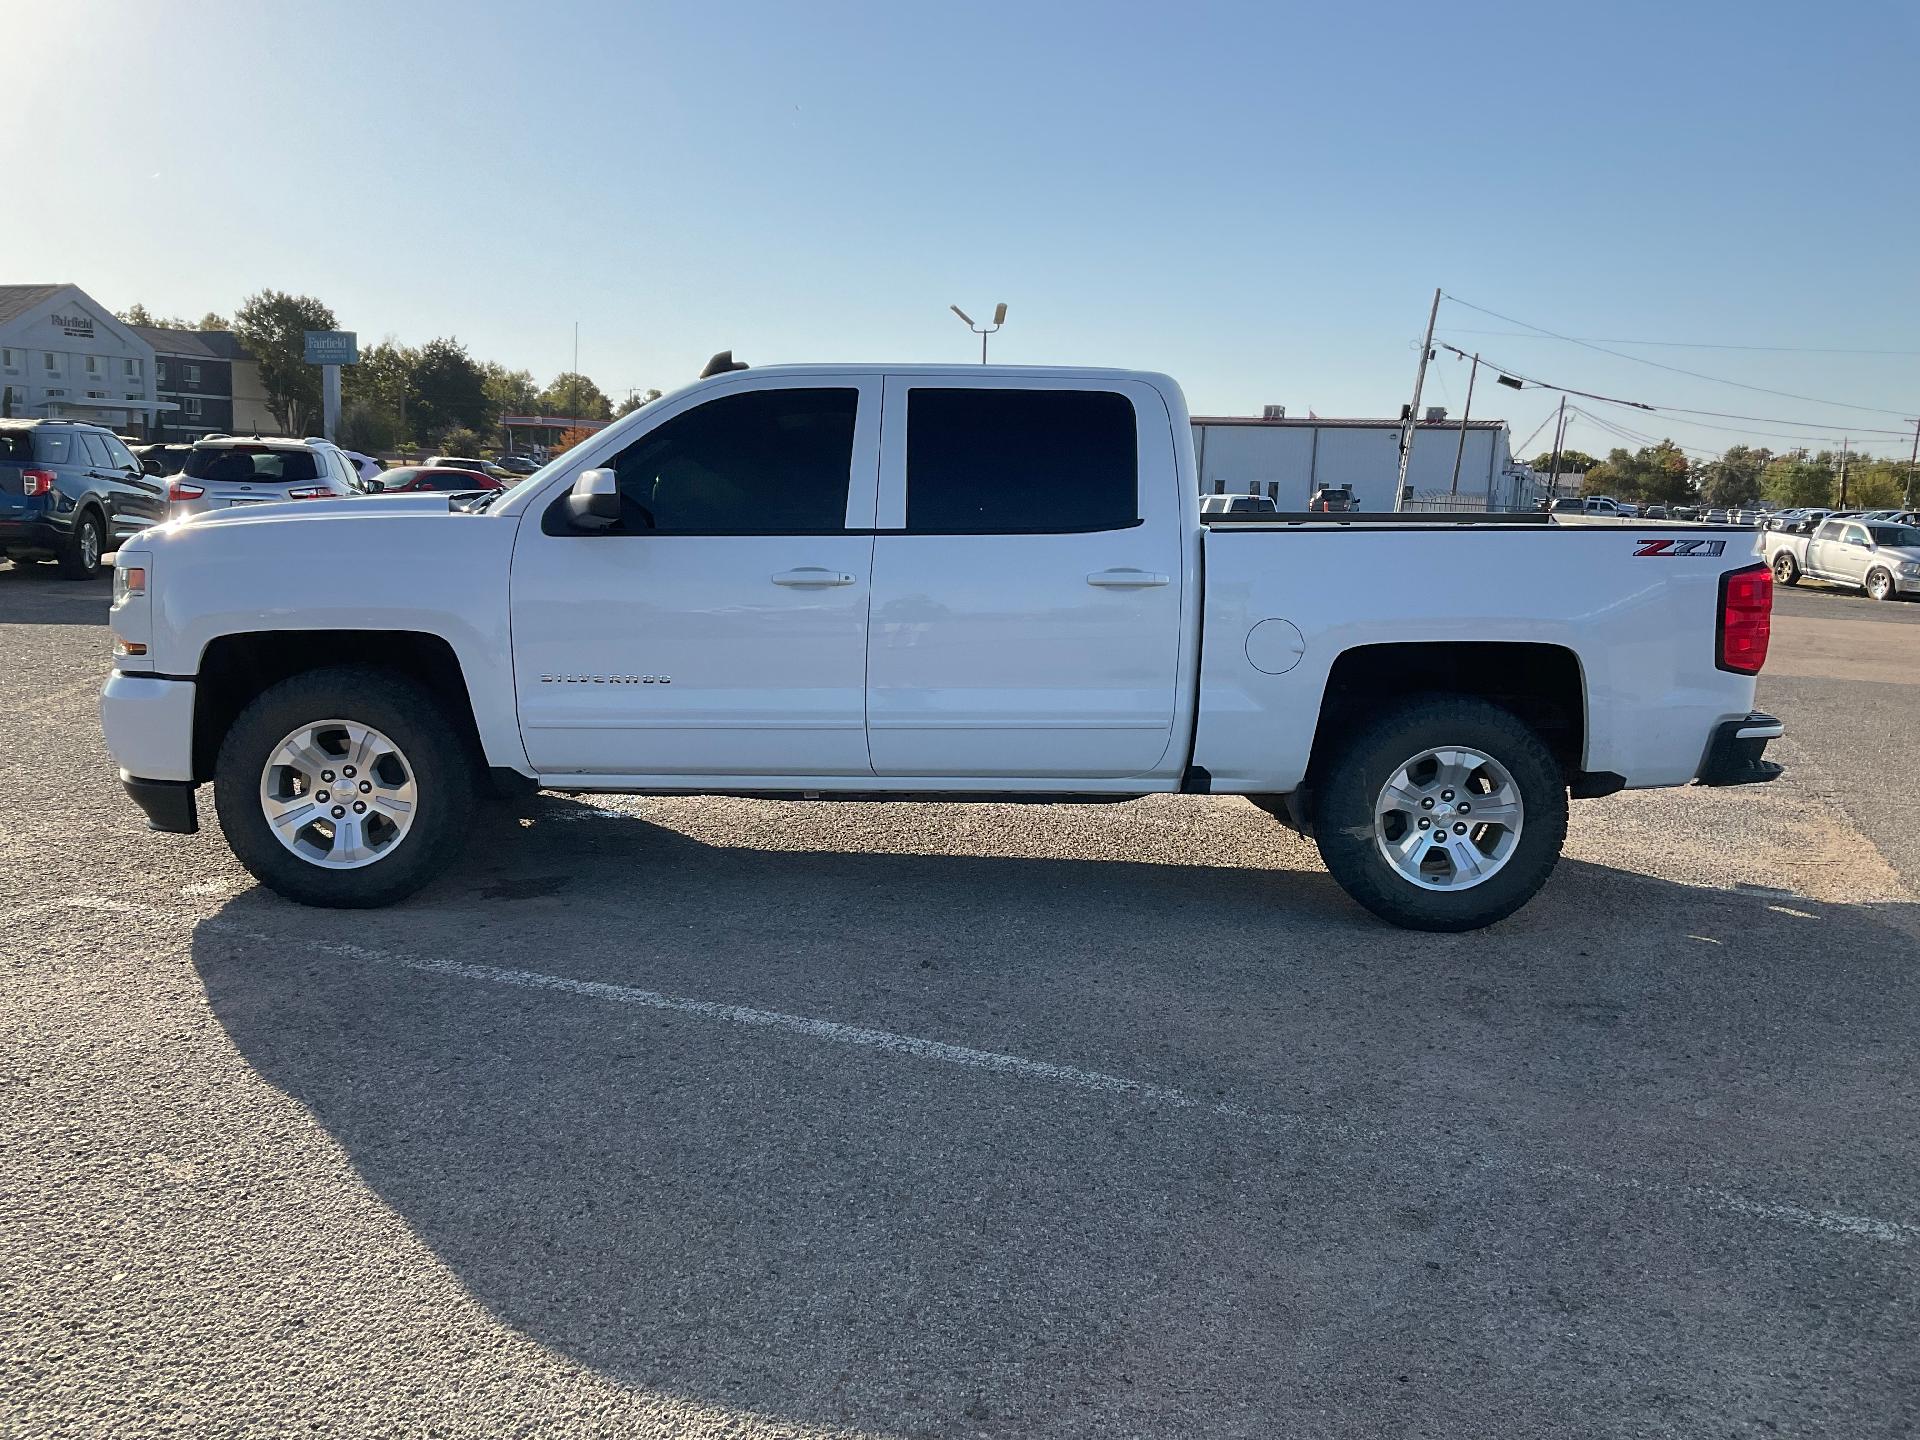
x,y
983,331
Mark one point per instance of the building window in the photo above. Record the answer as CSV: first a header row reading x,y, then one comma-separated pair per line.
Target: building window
x,y
191,407
192,373
93,364
50,361
96,394
131,395
9,359
54,394
160,373
132,367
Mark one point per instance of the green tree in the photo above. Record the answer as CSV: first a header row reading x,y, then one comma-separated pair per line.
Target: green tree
x,y
448,390
211,321
1572,462
635,399
462,441
367,427
1734,479
273,325
1796,480
1876,484
509,392
575,396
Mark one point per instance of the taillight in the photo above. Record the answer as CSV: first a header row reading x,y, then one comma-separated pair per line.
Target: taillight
x,y
1746,620
310,492
37,482
185,490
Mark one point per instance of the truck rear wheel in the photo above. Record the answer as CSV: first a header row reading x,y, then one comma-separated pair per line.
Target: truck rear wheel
x,y
1443,813
344,787
1786,570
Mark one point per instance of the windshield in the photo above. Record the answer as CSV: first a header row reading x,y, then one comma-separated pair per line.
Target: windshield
x,y
1904,537
246,463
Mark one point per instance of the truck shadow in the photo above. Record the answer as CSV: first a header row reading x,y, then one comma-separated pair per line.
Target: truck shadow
x,y
1397,1143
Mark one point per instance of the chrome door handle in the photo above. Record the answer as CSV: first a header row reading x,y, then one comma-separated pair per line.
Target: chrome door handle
x,y
812,576
1126,579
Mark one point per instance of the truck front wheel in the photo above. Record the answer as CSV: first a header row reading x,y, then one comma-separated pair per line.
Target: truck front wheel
x,y
344,787
1442,813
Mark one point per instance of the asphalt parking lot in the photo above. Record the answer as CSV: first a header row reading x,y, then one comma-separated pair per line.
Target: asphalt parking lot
x,y
722,1117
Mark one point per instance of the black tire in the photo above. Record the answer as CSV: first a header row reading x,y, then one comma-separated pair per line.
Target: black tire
x,y
1879,584
1350,783
1786,570
80,556
438,756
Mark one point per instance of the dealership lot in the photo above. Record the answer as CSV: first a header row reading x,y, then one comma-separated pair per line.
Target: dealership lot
x,y
735,1118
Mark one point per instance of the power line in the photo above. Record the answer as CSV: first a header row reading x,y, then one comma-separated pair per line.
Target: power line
x,y
1680,344
1825,425
1674,369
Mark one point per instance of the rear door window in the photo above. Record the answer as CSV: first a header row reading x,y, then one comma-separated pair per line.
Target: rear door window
x,y
55,447
1020,462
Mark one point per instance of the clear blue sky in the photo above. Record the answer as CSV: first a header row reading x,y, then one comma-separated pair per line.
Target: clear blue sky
x,y
1256,198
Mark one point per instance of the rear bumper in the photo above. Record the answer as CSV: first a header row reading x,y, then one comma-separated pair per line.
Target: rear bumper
x,y
167,804
1734,753
36,534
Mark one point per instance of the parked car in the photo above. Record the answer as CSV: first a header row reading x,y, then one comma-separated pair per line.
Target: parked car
x,y
1654,512
468,462
1880,558
1587,505
414,479
71,492
225,471
1333,500
163,459
519,464
698,599
1237,505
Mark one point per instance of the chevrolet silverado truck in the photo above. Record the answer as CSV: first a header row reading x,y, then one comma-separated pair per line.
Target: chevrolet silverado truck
x,y
943,583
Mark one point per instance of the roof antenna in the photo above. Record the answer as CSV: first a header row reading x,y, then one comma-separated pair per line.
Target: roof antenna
x,y
721,364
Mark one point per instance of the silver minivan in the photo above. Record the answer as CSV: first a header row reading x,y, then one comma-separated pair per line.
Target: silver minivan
x,y
228,470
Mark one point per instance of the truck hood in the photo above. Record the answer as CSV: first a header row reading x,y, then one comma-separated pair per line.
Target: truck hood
x,y
368,507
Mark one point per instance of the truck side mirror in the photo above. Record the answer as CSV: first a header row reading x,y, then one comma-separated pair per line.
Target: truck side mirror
x,y
594,501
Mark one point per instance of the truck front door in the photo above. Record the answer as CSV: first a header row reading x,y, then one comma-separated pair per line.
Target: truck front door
x,y
720,627
1027,581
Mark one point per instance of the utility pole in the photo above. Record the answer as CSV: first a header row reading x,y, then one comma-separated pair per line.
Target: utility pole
x,y
1559,434
1460,452
576,347
1843,471
1413,410
1913,463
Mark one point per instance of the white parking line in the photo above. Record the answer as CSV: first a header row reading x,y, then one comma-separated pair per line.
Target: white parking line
x,y
1833,1222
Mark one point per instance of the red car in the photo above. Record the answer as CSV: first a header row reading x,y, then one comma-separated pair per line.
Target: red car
x,y
412,479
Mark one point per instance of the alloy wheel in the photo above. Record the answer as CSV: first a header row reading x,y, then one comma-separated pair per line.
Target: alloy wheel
x,y
338,794
1449,818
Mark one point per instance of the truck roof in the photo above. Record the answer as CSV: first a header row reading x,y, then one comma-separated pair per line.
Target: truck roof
x,y
960,371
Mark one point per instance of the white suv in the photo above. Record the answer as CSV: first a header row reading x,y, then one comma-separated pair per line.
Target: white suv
x,y
228,470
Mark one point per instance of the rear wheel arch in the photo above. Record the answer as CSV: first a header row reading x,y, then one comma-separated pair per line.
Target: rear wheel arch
x,y
236,668
1543,684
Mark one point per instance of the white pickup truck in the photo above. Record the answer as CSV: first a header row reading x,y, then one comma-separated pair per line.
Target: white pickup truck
x,y
954,583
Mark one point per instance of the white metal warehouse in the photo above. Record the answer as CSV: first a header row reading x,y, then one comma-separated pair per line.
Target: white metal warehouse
x,y
1288,459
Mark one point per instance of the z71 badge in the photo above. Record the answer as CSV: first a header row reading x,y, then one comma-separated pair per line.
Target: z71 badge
x,y
1680,547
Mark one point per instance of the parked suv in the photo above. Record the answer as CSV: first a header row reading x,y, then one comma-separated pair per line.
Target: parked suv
x,y
227,470
468,462
70,491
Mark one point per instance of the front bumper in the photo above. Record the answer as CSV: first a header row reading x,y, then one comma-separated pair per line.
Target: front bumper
x,y
149,725
168,804
1734,753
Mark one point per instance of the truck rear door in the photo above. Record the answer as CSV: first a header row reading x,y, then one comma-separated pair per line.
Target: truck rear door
x,y
1027,579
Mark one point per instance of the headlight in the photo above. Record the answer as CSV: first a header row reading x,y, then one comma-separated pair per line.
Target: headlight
x,y
132,580
1911,569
